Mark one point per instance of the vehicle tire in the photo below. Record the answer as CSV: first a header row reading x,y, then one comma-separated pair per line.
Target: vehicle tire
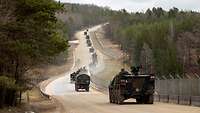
x,y
149,99
87,89
110,96
119,98
114,97
76,88
111,100
139,101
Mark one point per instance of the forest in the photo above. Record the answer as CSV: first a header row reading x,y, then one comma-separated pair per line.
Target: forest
x,y
30,35
79,16
165,43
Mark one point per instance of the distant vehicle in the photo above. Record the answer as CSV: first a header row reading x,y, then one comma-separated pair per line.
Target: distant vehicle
x,y
89,43
91,49
87,37
125,86
73,76
94,58
85,33
82,81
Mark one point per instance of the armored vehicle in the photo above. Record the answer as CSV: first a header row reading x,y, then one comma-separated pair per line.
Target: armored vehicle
x,y
127,85
82,81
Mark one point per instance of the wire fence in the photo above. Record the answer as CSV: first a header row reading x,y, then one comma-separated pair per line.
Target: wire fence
x,y
178,91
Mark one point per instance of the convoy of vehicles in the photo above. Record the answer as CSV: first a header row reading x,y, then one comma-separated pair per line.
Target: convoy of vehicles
x,y
124,85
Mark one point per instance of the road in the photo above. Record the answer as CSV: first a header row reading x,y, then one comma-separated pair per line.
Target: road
x,y
95,101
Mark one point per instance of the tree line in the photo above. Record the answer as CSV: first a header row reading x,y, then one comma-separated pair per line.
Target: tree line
x,y
30,35
151,39
79,16
154,39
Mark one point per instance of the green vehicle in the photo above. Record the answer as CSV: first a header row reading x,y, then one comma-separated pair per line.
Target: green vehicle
x,y
82,81
91,49
73,76
89,43
85,33
87,37
125,86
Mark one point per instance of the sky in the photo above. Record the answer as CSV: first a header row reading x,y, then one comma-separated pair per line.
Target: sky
x,y
142,5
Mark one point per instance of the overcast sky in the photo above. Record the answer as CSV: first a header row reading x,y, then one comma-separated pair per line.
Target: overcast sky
x,y
142,5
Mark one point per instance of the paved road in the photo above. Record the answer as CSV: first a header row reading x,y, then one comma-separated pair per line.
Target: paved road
x,y
95,101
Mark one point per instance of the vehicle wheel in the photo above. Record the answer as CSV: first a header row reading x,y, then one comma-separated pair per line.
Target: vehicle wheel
x,y
114,97
119,98
76,89
139,101
110,97
87,89
149,99
111,100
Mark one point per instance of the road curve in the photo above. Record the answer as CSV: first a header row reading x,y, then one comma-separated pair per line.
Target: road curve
x,y
95,101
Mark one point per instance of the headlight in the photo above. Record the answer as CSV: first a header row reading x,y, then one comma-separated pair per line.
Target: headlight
x,y
152,77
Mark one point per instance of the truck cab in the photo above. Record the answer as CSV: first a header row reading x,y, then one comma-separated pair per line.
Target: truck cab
x,y
82,82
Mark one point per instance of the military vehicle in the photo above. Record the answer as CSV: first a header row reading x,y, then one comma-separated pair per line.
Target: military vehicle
x,y
89,43
127,85
73,76
94,58
85,33
82,81
87,37
91,49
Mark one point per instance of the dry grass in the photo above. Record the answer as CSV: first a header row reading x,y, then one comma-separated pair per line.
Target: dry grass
x,y
38,103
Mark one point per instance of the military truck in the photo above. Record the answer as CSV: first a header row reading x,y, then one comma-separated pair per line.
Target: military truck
x,y
127,85
73,75
89,43
85,33
91,49
87,37
94,58
82,81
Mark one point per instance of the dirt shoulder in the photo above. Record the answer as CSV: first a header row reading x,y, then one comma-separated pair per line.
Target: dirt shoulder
x,y
112,58
33,101
41,104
